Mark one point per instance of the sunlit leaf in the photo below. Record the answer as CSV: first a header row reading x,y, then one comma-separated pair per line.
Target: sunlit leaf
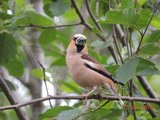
x,y
141,2
127,70
70,86
19,7
53,112
156,22
37,73
8,47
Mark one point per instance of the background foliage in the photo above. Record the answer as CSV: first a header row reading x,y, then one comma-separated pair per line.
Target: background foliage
x,y
123,35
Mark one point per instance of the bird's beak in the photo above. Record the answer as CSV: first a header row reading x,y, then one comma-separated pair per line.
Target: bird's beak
x,y
80,41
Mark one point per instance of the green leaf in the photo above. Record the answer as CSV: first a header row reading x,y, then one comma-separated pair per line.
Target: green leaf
x,y
15,64
32,18
156,22
47,36
146,67
127,4
127,70
129,17
100,44
5,16
141,2
70,15
8,48
70,86
46,10
19,7
98,115
97,43
149,49
154,37
68,114
53,112
60,61
37,73
59,7
112,68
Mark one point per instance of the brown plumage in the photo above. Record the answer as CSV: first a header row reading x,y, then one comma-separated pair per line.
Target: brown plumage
x,y
85,70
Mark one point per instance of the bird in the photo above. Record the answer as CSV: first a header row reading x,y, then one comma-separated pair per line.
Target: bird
x,y
86,71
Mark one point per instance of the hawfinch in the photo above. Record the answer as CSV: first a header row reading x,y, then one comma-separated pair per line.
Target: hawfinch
x,y
85,70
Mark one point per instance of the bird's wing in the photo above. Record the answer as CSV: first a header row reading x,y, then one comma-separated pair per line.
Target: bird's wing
x,y
93,64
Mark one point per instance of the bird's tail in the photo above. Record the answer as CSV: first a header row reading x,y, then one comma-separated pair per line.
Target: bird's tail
x,y
112,89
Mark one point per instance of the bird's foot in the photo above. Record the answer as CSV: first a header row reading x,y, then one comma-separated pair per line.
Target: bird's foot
x,y
87,95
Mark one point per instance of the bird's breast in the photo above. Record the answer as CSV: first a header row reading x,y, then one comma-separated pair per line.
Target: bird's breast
x,y
83,76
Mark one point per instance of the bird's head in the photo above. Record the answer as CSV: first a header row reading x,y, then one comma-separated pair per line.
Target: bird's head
x,y
79,39
78,43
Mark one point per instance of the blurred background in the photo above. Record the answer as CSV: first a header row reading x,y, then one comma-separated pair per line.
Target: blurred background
x,y
123,35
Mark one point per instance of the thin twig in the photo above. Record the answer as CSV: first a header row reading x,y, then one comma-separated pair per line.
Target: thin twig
x,y
92,16
126,40
84,113
80,15
50,27
132,103
90,29
45,82
81,97
147,27
116,44
130,40
11,99
149,109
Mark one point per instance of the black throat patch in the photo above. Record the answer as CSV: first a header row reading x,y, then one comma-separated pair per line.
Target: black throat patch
x,y
79,48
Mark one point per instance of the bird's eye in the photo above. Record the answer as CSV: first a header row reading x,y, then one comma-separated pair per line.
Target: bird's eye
x,y
75,38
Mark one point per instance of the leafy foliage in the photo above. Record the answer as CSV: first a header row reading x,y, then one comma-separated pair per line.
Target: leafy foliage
x,y
127,71
8,47
32,18
53,112
18,19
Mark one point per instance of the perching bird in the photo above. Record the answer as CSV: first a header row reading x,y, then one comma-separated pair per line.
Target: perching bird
x,y
85,70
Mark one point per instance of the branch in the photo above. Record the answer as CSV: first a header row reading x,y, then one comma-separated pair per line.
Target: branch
x,y
45,82
80,15
90,29
49,27
147,27
81,97
147,87
10,98
84,113
143,82
92,16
